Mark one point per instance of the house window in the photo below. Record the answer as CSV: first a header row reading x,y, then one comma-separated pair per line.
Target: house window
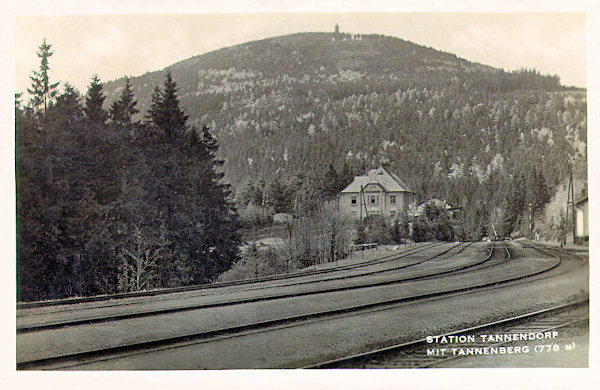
x,y
353,200
374,199
392,199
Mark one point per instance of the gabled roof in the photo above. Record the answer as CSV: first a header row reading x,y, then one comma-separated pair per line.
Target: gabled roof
x,y
438,202
388,181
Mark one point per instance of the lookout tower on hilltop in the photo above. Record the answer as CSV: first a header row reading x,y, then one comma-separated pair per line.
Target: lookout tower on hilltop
x,y
337,29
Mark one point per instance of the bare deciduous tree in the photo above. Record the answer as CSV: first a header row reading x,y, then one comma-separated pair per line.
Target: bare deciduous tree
x,y
140,259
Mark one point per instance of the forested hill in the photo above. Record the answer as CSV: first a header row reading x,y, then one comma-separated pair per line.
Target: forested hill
x,y
108,205
287,108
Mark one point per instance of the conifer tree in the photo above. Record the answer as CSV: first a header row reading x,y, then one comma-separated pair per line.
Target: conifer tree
x,y
67,109
42,91
189,196
151,116
123,109
516,203
165,113
94,101
540,195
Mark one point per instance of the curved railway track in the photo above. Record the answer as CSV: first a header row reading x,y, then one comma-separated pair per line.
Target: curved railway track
x,y
244,282
386,259
32,327
413,354
87,356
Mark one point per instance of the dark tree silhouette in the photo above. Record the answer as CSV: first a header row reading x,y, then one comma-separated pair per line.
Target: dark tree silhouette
x,y
123,109
94,101
42,90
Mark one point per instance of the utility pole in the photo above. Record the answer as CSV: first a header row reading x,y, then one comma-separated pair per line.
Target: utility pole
x,y
363,201
530,220
360,200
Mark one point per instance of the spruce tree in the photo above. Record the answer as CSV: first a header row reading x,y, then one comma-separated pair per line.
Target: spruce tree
x,y
42,91
516,203
165,113
540,194
67,109
189,196
94,101
220,220
152,116
123,109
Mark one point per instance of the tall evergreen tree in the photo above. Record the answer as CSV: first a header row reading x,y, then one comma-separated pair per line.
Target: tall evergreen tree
x,y
330,183
42,91
151,116
123,109
189,196
165,113
516,204
540,194
346,175
67,109
94,101
220,239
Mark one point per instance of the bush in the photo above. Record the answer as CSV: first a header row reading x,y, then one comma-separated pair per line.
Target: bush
x,y
433,224
375,228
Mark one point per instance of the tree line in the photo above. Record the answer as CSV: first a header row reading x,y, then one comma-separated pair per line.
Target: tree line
x,y
107,204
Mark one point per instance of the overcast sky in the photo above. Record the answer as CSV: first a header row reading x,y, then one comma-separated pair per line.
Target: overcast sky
x,y
116,45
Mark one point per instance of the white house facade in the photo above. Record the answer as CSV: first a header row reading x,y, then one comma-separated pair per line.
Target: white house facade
x,y
378,193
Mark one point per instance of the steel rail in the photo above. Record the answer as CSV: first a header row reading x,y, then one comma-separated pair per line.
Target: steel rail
x,y
364,356
119,303
165,291
168,342
101,319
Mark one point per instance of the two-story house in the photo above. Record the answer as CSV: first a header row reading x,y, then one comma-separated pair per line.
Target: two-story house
x,y
379,192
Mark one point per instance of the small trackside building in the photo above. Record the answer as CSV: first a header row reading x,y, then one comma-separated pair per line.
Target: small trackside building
x,y
455,213
582,230
378,193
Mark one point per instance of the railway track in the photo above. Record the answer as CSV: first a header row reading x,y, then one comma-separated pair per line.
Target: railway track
x,y
534,326
281,295
245,282
83,357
